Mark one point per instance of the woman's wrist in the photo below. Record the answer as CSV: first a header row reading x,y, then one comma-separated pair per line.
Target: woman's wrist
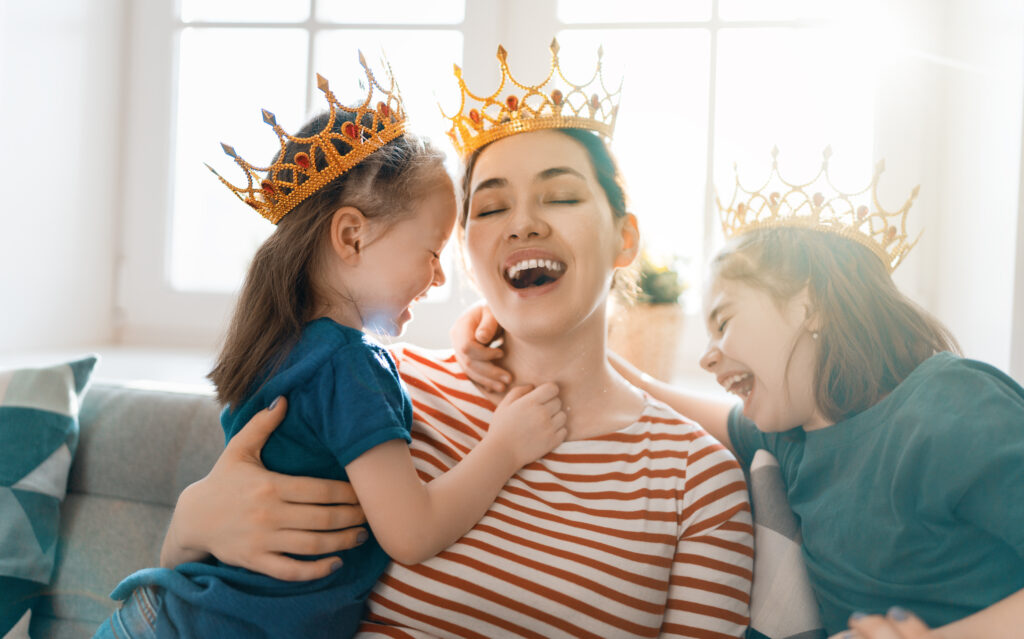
x,y
177,547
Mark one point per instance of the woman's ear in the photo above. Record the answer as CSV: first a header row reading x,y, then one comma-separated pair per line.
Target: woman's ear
x,y
630,241
349,229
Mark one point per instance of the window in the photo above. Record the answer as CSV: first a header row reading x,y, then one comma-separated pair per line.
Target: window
x,y
709,83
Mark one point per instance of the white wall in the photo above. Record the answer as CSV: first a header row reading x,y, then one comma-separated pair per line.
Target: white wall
x,y
59,100
949,116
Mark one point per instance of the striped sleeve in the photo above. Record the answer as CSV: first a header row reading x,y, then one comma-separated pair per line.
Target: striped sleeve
x,y
709,592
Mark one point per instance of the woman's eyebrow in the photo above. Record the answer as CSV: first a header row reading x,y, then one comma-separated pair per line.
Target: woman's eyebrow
x,y
493,183
556,171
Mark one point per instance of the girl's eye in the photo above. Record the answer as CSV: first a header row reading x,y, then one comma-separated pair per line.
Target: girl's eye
x,y
436,255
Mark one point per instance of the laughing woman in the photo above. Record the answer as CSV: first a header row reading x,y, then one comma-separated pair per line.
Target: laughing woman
x,y
638,524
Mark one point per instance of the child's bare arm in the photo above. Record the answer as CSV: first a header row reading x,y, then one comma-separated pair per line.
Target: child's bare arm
x,y
415,521
711,413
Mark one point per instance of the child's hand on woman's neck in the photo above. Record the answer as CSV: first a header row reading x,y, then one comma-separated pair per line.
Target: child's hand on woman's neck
x,y
596,398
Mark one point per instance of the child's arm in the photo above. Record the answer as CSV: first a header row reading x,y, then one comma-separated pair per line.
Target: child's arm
x,y
475,329
1002,619
711,413
414,521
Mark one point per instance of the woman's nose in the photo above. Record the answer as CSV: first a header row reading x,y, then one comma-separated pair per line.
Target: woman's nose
x,y
525,222
711,357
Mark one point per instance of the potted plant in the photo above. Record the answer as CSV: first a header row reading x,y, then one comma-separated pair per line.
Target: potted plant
x,y
647,330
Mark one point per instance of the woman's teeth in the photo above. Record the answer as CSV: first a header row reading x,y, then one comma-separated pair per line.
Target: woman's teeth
x,y
517,268
538,272
741,384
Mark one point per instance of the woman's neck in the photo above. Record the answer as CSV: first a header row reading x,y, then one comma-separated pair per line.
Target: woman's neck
x,y
596,398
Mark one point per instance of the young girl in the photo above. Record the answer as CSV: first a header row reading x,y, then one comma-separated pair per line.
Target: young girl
x,y
903,462
363,211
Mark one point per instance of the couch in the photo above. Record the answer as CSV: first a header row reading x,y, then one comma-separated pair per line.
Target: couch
x,y
138,449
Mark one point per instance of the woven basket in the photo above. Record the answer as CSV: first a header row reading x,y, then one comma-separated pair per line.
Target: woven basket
x,y
648,336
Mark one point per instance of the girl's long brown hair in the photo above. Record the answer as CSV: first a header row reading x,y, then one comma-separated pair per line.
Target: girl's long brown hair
x,y
872,336
282,289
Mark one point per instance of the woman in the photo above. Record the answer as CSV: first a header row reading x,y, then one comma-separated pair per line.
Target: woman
x,y
637,525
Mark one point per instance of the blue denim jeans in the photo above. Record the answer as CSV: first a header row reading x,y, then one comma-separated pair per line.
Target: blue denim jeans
x,y
136,619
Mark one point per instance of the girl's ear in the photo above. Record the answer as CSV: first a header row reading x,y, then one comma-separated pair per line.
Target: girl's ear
x,y
630,241
349,230
804,305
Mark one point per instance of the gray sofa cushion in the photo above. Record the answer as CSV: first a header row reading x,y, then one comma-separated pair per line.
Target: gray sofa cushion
x,y
139,448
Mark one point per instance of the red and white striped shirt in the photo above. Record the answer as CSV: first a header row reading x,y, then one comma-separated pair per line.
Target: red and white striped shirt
x,y
642,532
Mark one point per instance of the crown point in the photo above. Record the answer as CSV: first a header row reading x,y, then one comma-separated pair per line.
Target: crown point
x,y
827,153
913,194
880,166
362,59
321,83
554,46
775,152
269,118
229,150
502,53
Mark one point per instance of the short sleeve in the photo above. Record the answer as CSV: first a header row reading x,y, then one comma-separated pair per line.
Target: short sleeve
x,y
989,455
363,402
744,436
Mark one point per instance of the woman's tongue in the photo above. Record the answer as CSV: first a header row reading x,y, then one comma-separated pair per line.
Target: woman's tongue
x,y
534,276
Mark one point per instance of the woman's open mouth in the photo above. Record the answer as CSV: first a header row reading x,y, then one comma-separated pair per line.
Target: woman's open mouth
x,y
531,273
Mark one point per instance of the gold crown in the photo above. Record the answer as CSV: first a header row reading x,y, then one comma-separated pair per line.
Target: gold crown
x,y
289,181
819,205
514,107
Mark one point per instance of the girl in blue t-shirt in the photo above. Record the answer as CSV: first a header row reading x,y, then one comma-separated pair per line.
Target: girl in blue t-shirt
x,y
903,462
363,210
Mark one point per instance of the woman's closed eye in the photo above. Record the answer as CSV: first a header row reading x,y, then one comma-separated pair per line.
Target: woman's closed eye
x,y
721,324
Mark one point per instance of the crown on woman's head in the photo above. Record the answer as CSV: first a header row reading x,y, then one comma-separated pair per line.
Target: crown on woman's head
x,y
819,205
277,189
514,107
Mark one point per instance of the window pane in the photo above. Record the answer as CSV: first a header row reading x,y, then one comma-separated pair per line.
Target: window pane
x,y
790,9
244,10
800,90
391,12
422,63
571,11
214,234
661,132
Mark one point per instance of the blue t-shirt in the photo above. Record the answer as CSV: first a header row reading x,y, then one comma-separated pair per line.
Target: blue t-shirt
x,y
344,398
917,501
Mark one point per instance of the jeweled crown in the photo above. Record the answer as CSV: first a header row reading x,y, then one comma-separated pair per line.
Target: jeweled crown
x,y
515,107
819,205
275,190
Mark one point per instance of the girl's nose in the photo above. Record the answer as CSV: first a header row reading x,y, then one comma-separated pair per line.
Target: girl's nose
x,y
711,357
439,277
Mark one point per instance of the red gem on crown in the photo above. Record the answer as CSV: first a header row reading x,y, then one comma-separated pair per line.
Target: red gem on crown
x,y
267,186
302,159
350,131
383,109
512,102
474,115
556,97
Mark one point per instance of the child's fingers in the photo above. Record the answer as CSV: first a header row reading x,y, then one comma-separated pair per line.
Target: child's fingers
x,y
553,405
558,420
544,393
488,329
478,351
490,376
515,393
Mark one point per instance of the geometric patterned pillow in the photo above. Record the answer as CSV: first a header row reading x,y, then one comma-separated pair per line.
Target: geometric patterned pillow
x,y
782,602
38,438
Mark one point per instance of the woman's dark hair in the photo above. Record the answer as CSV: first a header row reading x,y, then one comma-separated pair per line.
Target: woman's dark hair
x,y
283,288
606,168
871,335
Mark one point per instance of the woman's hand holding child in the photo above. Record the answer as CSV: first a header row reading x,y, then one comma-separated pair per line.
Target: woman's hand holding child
x,y
471,335
248,516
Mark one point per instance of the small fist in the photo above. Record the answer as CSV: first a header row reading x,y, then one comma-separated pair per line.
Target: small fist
x,y
529,422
